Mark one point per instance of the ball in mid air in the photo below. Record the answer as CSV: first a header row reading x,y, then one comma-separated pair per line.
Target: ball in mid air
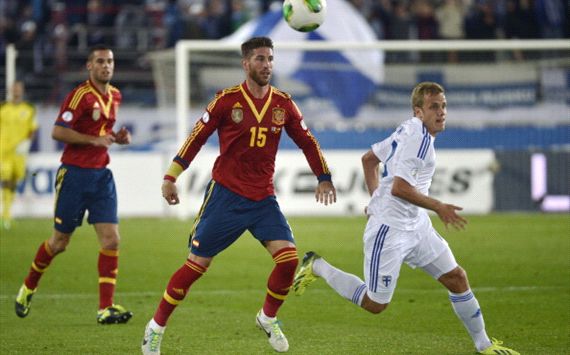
x,y
304,15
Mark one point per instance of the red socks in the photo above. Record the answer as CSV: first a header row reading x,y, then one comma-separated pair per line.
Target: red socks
x,y
280,280
108,266
41,262
176,290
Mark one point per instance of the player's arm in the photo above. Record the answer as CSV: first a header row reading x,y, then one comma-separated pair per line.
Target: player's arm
x,y
300,134
371,169
446,212
70,136
197,138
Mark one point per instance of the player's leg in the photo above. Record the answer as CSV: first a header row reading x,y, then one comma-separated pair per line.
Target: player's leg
x,y
347,285
44,255
101,202
444,268
108,269
68,214
8,189
214,229
466,306
382,261
270,227
176,290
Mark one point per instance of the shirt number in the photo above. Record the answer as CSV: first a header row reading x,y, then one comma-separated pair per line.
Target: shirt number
x,y
258,136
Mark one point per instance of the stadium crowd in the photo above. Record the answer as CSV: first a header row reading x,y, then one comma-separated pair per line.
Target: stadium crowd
x,y
52,35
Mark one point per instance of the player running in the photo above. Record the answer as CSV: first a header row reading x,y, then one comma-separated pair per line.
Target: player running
x,y
83,183
399,229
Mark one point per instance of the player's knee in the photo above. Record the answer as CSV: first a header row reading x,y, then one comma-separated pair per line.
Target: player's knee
x,y
372,306
58,243
456,280
286,261
110,243
290,266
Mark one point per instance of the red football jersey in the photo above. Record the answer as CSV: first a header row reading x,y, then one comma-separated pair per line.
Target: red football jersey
x,y
249,131
88,111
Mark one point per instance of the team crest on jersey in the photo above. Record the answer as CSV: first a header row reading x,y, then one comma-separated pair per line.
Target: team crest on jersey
x,y
278,116
205,117
96,112
386,280
67,116
275,130
237,115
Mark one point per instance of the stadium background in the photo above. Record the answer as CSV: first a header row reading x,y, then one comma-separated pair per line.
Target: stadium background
x,y
506,149
511,104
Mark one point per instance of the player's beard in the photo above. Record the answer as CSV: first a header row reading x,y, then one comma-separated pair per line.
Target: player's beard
x,y
104,79
259,80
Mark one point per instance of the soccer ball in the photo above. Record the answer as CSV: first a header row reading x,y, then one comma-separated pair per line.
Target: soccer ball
x,y
304,15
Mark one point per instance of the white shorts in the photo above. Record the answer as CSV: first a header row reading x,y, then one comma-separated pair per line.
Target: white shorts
x,y
386,248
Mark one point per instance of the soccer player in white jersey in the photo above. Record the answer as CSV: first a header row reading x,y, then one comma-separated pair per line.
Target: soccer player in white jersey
x,y
399,229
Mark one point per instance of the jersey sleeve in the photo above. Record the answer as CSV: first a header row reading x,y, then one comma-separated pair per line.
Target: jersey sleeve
x,y
304,139
411,155
71,109
383,149
202,130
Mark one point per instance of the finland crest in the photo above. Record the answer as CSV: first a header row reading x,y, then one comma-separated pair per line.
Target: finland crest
x,y
386,280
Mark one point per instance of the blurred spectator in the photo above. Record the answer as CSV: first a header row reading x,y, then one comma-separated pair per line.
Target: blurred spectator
x,y
481,23
26,46
214,22
450,17
239,15
399,26
174,23
519,23
427,26
551,16
129,21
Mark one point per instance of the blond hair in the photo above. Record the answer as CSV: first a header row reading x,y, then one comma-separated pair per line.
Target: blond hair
x,y
422,89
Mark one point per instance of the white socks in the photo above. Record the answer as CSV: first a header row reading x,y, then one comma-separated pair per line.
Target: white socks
x,y
467,309
347,285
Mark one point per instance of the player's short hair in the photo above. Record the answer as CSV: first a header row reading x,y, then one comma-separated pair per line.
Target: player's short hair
x,y
248,46
95,48
422,89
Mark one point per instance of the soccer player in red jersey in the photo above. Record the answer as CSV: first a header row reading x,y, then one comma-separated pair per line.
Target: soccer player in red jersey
x,y
83,183
250,119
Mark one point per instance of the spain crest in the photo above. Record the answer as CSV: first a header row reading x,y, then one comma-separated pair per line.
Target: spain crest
x,y
237,115
96,111
278,116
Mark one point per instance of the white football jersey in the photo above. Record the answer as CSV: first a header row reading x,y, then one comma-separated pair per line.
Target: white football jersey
x,y
409,154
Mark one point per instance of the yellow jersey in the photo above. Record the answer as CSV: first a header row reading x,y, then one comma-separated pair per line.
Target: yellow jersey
x,y
17,123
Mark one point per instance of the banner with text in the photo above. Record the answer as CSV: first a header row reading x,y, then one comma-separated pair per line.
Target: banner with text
x,y
462,177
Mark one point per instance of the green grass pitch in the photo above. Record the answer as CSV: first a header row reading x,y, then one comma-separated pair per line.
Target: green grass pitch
x,y
518,266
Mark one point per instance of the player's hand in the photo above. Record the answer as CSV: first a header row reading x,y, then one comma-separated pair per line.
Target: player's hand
x,y
448,215
103,141
170,192
123,136
325,193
